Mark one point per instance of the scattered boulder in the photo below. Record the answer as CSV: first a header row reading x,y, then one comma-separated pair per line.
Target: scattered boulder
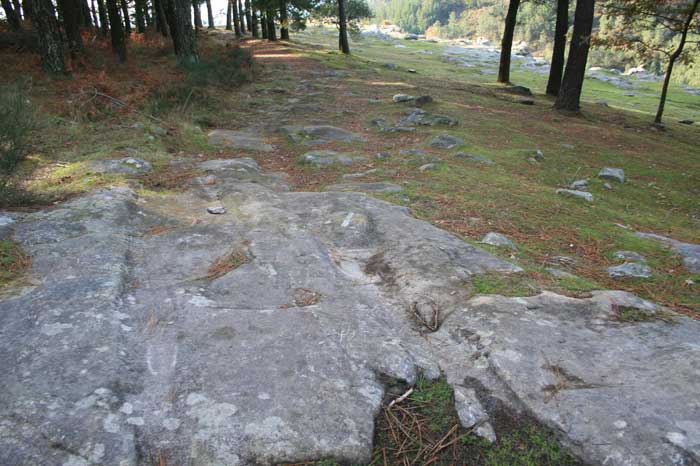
x,y
422,100
688,251
244,164
576,194
397,129
390,66
379,122
330,133
579,185
446,141
497,239
629,256
630,269
612,174
378,187
474,158
216,210
125,166
686,122
400,98
539,155
327,158
351,176
248,140
382,156
472,414
6,223
518,90
427,166
559,273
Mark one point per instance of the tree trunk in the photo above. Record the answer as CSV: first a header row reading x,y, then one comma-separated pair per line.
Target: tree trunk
x,y
254,23
271,31
161,20
85,20
263,24
210,15
507,42
672,61
27,9
241,17
559,54
236,21
229,26
196,7
570,93
11,15
102,13
284,21
50,42
248,15
93,11
71,14
18,8
127,19
139,8
179,17
116,27
147,14
343,42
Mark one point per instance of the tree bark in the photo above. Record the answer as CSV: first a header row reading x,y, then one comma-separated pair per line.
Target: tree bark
x,y
12,16
127,19
343,42
254,23
210,15
102,13
507,42
116,27
236,20
569,98
93,11
178,13
161,20
284,21
248,15
672,61
556,71
18,8
196,7
263,24
271,31
84,9
229,26
27,9
71,25
241,17
50,41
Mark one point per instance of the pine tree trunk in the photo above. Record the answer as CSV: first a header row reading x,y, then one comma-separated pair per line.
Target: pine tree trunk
x,y
85,19
179,17
507,42
18,8
127,19
672,61
210,15
161,20
263,24
284,21
569,98
196,7
11,15
139,8
116,27
236,21
271,31
556,70
27,9
50,41
93,11
71,13
248,15
343,42
102,13
147,14
229,13
254,23
241,17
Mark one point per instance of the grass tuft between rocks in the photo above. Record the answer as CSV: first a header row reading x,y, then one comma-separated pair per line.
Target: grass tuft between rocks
x,y
13,262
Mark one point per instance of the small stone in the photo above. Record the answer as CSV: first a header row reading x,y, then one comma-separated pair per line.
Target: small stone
x,y
390,66
577,194
629,256
446,141
580,185
686,122
539,155
428,166
216,210
412,71
399,98
612,174
558,273
379,122
497,239
607,186
424,99
474,158
382,156
630,269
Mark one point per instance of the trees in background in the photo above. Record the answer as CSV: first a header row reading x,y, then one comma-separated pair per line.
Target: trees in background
x,y
507,42
654,29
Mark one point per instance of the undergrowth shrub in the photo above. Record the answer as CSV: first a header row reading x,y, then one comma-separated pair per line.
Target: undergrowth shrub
x,y
16,121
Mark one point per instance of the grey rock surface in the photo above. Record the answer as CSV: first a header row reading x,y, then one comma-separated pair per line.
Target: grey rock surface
x,y
630,256
7,222
327,158
688,251
498,239
612,174
576,194
427,167
145,344
446,141
125,166
579,185
248,140
401,98
630,269
474,158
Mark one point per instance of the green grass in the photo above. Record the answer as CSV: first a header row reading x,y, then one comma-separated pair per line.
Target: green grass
x,y
13,262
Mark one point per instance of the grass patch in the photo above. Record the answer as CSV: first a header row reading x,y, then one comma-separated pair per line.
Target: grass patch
x,y
227,263
13,262
516,284
633,314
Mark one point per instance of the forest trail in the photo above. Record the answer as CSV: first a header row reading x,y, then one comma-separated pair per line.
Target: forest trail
x,y
263,316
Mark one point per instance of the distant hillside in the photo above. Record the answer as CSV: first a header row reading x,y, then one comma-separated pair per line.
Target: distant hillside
x,y
451,19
